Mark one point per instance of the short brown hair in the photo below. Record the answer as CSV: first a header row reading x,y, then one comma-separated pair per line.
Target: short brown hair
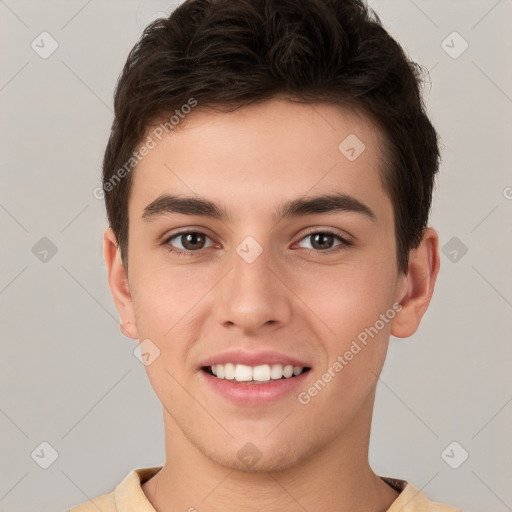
x,y
235,52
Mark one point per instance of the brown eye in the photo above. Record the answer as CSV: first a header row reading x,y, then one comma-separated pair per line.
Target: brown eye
x,y
325,241
322,240
190,241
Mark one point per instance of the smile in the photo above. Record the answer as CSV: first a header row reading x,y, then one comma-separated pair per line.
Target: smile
x,y
254,374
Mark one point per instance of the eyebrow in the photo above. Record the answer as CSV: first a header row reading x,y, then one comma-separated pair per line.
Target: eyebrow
x,y
327,203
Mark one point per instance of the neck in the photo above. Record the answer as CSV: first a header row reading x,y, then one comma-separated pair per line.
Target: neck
x,y
336,478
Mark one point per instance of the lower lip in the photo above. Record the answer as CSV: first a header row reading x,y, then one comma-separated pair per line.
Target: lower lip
x,y
242,393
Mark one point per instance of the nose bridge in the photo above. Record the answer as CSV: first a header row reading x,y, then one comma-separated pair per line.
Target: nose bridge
x,y
252,295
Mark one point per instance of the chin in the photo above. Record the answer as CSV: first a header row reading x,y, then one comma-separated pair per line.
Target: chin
x,y
265,464
260,457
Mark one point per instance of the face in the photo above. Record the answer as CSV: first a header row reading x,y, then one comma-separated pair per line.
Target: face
x,y
264,275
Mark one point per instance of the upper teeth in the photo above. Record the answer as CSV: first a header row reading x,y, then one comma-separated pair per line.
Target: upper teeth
x,y
261,373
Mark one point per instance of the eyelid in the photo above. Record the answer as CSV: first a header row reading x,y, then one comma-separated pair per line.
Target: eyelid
x,y
344,235
168,237
345,241
185,230
202,230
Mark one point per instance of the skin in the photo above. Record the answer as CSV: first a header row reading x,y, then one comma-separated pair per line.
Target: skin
x,y
295,298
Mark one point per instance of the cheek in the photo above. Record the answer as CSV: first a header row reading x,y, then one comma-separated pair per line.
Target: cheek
x,y
350,302
166,296
347,298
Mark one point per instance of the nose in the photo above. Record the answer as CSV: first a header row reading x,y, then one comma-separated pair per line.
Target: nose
x,y
254,294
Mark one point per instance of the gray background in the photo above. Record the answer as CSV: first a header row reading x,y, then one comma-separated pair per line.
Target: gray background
x,y
70,378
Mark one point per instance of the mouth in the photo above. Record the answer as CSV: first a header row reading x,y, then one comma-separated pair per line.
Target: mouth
x,y
260,374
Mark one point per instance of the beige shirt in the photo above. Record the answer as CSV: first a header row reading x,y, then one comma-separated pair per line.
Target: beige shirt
x,y
128,496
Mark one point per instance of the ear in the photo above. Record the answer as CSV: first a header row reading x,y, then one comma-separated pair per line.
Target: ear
x,y
118,283
417,286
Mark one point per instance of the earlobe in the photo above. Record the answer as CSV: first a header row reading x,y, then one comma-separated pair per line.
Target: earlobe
x,y
418,285
128,329
118,283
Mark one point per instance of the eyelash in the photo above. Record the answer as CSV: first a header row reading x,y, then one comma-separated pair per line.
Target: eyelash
x,y
181,253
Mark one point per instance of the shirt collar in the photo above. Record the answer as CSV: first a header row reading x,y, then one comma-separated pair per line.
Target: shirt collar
x,y
129,496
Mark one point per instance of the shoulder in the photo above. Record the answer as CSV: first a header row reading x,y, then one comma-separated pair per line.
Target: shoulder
x,y
439,507
105,503
419,502
128,495
412,499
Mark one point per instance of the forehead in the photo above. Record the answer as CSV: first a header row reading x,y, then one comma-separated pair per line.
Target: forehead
x,y
258,155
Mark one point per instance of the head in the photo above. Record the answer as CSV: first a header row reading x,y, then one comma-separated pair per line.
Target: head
x,y
249,105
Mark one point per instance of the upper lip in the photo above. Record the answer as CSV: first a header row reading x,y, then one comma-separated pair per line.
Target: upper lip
x,y
253,358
